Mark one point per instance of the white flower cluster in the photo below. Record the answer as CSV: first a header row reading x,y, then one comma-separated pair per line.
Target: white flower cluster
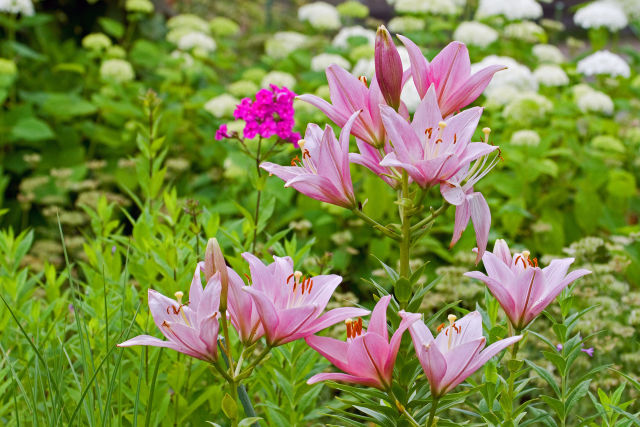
x,y
96,41
341,40
403,24
551,75
364,67
511,9
630,7
199,42
526,31
548,53
320,15
526,138
443,7
526,107
601,13
589,100
222,106
410,96
604,62
283,43
322,61
475,33
278,78
24,7
516,76
117,70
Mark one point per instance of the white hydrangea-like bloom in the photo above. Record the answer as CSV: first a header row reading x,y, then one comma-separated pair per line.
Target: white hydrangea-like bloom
x,y
96,41
500,96
184,56
548,53
364,67
525,137
188,21
320,15
341,40
593,101
403,24
443,7
278,78
515,75
630,7
222,105
322,61
410,96
23,7
601,14
198,41
527,105
283,43
551,75
511,9
116,69
475,33
604,62
526,30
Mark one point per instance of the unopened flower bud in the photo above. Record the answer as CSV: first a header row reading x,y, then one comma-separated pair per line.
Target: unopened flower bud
x,y
214,263
388,67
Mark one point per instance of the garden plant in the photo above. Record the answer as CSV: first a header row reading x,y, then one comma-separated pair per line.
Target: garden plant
x,y
320,213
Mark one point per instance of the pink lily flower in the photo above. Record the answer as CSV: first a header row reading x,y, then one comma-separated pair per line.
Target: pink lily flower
x,y
429,148
456,353
388,67
470,204
290,306
370,158
190,328
243,313
450,72
348,95
521,287
323,173
367,358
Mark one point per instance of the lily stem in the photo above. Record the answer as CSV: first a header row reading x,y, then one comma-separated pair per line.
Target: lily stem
x,y
432,413
402,409
512,376
257,213
381,228
256,361
405,244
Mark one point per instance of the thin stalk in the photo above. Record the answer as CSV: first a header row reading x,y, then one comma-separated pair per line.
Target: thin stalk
x,y
512,377
401,409
381,228
428,220
432,413
256,361
405,244
257,213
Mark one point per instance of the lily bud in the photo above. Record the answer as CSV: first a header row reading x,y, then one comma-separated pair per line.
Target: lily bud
x,y
214,263
388,68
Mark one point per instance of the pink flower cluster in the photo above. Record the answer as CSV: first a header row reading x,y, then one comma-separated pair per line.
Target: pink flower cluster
x,y
271,113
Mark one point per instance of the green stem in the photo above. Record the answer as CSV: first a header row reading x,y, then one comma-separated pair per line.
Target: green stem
x,y
257,213
432,413
512,377
381,228
247,371
401,409
405,244
431,218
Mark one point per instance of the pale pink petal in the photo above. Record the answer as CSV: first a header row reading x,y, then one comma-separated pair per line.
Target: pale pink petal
x,y
551,292
419,65
459,359
472,88
366,356
481,218
406,143
556,271
267,311
293,324
329,110
335,351
427,114
394,345
448,70
501,250
497,269
378,320
463,214
152,341
195,291
453,193
369,382
334,316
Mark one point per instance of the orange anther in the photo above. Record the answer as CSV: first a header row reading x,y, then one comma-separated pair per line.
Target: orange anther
x,y
294,160
438,141
248,277
349,328
289,278
363,79
455,138
306,153
440,326
428,132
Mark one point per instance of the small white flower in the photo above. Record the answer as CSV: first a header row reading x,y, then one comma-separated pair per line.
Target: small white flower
x,y
594,101
604,62
320,15
525,137
516,75
526,30
116,69
548,53
551,75
500,96
364,67
630,7
341,40
403,24
283,43
96,41
184,56
444,7
24,7
410,96
222,105
511,9
188,21
197,40
475,33
322,61
278,78
601,14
